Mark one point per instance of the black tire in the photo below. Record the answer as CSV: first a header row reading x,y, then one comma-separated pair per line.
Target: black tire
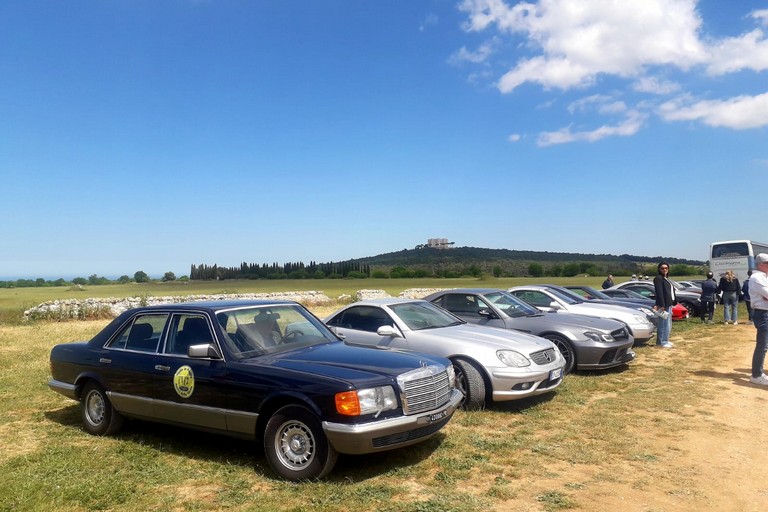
x,y
692,311
566,349
99,417
296,446
471,383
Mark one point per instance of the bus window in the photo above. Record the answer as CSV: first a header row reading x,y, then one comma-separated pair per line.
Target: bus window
x,y
730,250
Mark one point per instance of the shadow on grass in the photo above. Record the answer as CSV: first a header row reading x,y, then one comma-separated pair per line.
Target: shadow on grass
x,y
225,450
739,376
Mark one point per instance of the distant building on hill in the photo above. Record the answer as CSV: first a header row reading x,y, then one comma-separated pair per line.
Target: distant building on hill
x,y
437,243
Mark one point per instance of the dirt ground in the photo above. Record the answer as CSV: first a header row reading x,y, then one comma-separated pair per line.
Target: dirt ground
x,y
716,462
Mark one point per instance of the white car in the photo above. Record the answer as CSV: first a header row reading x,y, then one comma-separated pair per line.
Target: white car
x,y
491,363
547,298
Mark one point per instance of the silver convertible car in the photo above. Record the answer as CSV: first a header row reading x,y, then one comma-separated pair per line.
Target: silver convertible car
x,y
491,364
587,343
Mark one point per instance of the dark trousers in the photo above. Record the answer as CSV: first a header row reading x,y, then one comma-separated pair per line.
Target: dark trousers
x,y
760,317
707,310
749,309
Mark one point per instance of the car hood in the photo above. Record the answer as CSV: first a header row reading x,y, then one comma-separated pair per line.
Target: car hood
x,y
608,309
490,337
353,363
578,321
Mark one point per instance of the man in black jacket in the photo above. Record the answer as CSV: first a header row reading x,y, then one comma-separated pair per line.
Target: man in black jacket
x,y
665,299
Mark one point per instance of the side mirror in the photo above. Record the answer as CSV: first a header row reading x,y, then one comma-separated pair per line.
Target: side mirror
x,y
487,313
204,351
388,331
554,305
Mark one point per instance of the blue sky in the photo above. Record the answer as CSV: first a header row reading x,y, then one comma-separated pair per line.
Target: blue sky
x,y
150,135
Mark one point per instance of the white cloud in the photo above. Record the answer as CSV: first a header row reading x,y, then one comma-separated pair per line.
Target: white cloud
x,y
761,16
739,113
514,137
749,51
479,56
579,44
653,85
577,40
602,103
430,19
631,125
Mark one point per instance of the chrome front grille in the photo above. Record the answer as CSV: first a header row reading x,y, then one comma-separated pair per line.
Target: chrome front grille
x,y
424,389
544,357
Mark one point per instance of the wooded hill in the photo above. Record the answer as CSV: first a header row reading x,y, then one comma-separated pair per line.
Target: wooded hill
x,y
516,263
454,262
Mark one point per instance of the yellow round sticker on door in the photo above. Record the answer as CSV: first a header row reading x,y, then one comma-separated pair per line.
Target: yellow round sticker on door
x,y
184,381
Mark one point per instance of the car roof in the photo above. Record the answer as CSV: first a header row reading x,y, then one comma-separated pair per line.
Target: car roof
x,y
468,290
385,301
216,305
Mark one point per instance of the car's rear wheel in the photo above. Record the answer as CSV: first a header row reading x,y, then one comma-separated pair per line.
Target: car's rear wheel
x,y
566,349
296,446
471,383
99,417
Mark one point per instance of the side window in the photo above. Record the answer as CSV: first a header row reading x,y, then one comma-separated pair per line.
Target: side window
x,y
645,292
464,305
142,335
185,331
364,318
534,298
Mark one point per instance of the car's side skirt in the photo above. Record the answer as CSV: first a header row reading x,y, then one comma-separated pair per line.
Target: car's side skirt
x,y
240,423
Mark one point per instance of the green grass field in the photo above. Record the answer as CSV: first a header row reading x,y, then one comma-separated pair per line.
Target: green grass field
x,y
543,454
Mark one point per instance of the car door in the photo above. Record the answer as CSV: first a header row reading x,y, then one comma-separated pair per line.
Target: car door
x,y
358,325
190,390
127,361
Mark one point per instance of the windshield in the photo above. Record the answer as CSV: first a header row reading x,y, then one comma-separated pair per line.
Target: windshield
x,y
565,295
424,315
511,305
257,330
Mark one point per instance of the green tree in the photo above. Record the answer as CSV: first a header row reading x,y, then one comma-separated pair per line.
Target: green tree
x,y
141,277
535,270
169,276
497,271
124,279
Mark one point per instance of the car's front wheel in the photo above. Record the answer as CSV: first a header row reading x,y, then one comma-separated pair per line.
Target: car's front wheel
x,y
471,383
566,349
99,417
296,446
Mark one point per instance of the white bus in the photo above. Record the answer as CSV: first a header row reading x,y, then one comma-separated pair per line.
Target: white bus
x,y
736,255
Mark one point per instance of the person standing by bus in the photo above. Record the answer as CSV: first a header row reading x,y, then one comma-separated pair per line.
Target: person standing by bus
x,y
730,287
745,295
758,292
708,298
665,299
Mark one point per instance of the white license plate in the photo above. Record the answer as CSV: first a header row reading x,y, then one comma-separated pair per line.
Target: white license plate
x,y
556,374
437,416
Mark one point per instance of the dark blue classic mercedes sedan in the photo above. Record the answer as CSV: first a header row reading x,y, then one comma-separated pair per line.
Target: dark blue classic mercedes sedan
x,y
264,370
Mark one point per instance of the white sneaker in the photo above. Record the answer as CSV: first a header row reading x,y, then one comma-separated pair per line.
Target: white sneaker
x,y
735,323
762,380
666,345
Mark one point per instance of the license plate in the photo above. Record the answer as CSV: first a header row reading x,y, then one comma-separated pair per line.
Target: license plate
x,y
437,416
556,374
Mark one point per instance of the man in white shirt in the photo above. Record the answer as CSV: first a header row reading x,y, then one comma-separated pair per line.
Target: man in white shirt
x,y
758,293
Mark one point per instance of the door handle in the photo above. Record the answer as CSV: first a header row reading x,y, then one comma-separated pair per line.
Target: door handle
x,y
162,368
104,360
